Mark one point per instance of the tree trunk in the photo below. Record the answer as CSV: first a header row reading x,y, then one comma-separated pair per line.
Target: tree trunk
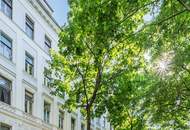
x,y
88,119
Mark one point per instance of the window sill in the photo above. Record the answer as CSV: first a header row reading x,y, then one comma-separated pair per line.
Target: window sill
x,y
47,125
29,79
48,89
28,75
7,65
7,60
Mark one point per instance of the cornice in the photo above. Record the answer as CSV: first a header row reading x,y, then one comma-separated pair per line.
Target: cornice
x,y
45,14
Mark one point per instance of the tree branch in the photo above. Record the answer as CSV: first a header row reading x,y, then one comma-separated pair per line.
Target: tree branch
x,y
97,85
183,4
157,23
84,83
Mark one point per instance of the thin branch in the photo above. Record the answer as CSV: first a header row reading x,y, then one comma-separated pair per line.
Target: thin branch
x,y
160,22
136,10
183,4
170,17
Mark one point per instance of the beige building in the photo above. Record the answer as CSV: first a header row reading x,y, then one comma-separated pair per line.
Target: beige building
x,y
27,32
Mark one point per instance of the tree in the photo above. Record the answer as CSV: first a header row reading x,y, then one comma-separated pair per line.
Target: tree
x,y
97,46
165,93
168,99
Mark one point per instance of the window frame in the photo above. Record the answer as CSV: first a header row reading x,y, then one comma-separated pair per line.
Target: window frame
x,y
48,43
47,113
29,102
82,126
8,89
5,36
9,5
73,123
61,119
47,77
29,23
28,56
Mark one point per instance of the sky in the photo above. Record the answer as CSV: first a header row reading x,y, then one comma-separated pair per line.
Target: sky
x,y
61,9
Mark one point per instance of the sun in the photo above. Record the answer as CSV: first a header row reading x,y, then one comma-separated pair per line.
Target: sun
x,y
163,64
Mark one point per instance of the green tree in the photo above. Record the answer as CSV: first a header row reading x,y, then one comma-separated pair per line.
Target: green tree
x,y
163,98
97,46
167,100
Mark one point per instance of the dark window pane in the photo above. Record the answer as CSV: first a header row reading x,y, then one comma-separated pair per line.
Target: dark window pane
x,y
29,64
47,44
4,127
61,119
29,27
72,124
47,108
47,77
28,102
5,46
6,7
5,90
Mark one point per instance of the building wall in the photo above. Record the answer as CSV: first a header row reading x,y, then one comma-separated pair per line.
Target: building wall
x,y
14,115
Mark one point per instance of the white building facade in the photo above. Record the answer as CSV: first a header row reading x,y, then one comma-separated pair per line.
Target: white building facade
x,y
27,32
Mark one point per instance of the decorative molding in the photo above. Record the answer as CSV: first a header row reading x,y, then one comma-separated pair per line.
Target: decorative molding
x,y
32,2
29,84
8,70
17,114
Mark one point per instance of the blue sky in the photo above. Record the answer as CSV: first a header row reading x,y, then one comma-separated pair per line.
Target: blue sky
x,y
60,8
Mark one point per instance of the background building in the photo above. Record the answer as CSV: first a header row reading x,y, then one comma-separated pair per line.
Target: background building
x,y
27,32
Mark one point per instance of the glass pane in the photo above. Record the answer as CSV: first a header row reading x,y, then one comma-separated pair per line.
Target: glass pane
x,y
47,48
4,128
6,41
25,106
5,95
8,11
3,6
5,83
30,70
29,23
8,53
30,107
1,48
9,2
29,32
6,7
29,59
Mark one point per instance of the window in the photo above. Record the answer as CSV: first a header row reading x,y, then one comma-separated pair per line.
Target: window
x,y
5,90
82,127
47,107
104,120
29,64
61,119
29,27
72,124
28,102
4,127
5,46
47,77
47,44
6,7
